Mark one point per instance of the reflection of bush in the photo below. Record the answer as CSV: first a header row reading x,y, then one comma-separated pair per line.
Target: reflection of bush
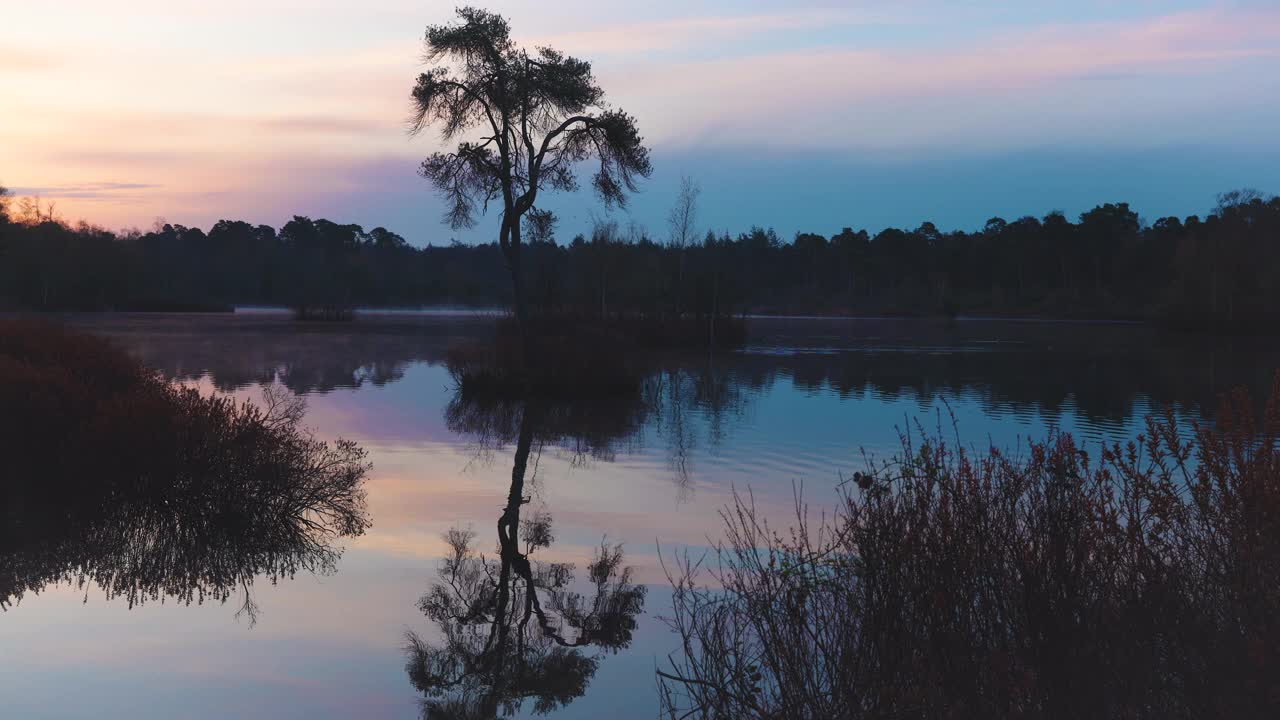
x,y
237,351
147,489
1103,373
1140,584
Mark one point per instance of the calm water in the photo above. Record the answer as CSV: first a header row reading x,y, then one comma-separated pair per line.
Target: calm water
x,y
792,412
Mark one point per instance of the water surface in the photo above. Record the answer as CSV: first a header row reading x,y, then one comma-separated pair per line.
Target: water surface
x,y
787,416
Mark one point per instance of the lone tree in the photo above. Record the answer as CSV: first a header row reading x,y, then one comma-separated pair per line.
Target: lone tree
x,y
525,120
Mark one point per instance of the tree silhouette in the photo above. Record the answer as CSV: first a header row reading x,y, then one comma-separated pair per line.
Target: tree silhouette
x,y
538,115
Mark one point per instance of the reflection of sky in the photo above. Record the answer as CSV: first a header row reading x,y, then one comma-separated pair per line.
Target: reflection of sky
x,y
331,646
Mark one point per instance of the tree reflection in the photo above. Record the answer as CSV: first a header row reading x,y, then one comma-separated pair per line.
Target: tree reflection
x,y
1102,373
237,352
514,629
677,397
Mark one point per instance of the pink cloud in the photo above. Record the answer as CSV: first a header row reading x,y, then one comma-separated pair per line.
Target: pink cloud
x,y
835,90
13,59
278,125
629,38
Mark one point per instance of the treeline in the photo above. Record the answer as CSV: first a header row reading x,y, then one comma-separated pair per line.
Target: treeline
x,y
1220,271
49,265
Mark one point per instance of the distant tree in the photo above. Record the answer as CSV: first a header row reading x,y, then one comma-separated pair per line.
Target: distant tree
x,y
33,211
299,234
601,257
1059,238
1022,241
1233,199
683,218
682,226
994,226
537,115
322,272
384,239
1236,255
1108,230
853,248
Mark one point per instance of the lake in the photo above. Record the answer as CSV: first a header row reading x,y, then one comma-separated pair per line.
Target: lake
x,y
785,418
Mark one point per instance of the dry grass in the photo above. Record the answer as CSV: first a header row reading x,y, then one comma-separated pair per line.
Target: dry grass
x,y
1143,582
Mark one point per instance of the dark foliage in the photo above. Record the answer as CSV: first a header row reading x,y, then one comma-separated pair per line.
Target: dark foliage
x,y
1220,272
118,478
585,358
1047,584
555,360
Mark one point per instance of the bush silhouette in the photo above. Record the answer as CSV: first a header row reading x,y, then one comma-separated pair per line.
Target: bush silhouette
x,y
149,489
1045,584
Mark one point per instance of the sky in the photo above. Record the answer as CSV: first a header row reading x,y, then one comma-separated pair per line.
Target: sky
x,y
802,117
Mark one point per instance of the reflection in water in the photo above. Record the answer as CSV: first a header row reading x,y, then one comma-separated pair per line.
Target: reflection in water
x,y
666,402
586,430
239,351
1104,373
796,404
675,396
247,495
514,630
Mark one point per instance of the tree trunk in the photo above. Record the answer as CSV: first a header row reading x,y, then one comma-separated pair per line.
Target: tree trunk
x,y
509,550
519,301
715,301
509,525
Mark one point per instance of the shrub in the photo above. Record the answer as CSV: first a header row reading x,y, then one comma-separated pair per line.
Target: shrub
x,y
117,477
561,361
1143,582
571,358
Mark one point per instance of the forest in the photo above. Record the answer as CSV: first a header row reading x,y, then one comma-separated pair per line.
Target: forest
x,y
1218,272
